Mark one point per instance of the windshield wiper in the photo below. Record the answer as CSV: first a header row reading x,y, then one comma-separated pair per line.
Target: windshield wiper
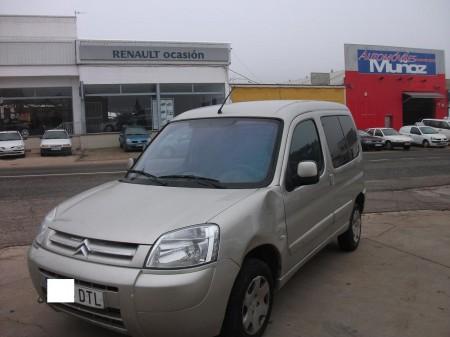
x,y
210,182
148,175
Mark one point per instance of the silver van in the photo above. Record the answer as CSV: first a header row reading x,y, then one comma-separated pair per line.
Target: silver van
x,y
219,211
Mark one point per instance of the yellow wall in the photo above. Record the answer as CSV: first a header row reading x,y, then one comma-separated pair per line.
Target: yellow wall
x,y
259,93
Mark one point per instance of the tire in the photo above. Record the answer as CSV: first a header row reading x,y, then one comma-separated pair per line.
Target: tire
x,y
426,143
388,145
108,128
349,240
242,305
406,147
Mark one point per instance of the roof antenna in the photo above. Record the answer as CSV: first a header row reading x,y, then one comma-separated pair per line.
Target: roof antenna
x,y
224,101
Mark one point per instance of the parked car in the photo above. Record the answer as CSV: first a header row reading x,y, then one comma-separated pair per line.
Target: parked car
x,y
195,243
15,125
441,125
11,144
391,137
133,138
424,135
369,142
56,141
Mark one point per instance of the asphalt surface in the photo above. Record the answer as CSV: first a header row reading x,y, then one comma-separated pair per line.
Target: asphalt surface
x,y
395,182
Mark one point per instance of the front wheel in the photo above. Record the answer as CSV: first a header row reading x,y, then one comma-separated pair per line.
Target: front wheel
x,y
426,143
250,302
388,145
349,240
406,147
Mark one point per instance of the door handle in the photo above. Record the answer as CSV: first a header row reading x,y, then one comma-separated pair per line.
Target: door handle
x,y
331,176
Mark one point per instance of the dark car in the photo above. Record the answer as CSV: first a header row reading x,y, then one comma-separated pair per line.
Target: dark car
x,y
369,142
133,138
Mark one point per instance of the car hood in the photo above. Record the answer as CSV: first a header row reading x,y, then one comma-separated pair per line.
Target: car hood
x,y
10,143
399,138
136,213
55,141
372,138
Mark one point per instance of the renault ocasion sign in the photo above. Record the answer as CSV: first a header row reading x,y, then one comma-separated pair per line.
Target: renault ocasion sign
x,y
396,62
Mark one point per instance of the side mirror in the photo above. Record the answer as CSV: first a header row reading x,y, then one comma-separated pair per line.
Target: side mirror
x,y
307,172
130,163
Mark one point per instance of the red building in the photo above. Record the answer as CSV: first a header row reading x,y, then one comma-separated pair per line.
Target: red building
x,y
392,87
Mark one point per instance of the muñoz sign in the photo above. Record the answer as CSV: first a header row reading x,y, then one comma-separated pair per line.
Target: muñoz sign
x,y
396,62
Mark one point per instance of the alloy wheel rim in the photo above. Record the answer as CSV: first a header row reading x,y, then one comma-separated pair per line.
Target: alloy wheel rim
x,y
356,226
256,305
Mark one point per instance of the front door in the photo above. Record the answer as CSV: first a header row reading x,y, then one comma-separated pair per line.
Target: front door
x,y
308,208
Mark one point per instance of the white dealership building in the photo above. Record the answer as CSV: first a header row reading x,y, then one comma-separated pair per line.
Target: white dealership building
x,y
49,78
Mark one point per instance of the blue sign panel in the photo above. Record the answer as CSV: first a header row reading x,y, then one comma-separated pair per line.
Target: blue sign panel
x,y
396,62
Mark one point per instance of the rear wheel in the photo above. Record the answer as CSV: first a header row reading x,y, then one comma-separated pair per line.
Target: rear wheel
x,y
426,143
250,302
349,240
388,145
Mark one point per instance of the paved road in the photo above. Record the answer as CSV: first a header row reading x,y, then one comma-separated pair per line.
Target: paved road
x,y
26,194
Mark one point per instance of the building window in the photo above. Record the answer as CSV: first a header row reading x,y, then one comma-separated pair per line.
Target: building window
x,y
178,98
34,110
109,107
112,113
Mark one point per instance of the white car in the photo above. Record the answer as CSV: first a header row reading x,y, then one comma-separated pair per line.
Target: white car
x,y
441,125
11,144
56,142
392,138
424,135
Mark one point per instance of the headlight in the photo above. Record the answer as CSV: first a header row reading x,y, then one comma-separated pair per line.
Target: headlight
x,y
44,225
184,248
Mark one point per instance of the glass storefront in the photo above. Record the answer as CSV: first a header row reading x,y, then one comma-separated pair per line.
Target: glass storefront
x,y
31,111
109,107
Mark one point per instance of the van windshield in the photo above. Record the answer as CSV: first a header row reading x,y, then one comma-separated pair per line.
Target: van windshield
x,y
211,152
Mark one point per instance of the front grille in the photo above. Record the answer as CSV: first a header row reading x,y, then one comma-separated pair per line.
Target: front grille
x,y
109,317
94,250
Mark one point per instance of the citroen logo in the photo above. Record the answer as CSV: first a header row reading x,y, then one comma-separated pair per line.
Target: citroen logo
x,y
83,248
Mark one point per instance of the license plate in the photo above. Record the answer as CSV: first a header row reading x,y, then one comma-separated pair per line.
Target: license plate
x,y
56,148
378,144
89,297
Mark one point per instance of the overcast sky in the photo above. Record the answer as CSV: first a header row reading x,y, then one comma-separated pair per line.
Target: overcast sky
x,y
272,40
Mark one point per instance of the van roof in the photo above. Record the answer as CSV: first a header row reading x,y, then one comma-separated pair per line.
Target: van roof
x,y
286,110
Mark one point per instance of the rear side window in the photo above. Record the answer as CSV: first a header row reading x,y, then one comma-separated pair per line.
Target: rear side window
x,y
378,133
415,131
336,141
350,135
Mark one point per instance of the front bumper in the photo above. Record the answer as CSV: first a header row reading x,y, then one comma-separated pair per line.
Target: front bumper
x,y
7,153
439,143
62,150
142,302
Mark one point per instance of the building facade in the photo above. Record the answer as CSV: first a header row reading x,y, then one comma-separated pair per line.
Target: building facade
x,y
392,86
49,78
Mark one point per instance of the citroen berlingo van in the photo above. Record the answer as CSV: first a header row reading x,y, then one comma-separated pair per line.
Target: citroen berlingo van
x,y
221,210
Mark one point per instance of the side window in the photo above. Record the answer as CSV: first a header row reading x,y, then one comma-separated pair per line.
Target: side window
x,y
443,125
336,141
415,131
305,145
379,133
350,135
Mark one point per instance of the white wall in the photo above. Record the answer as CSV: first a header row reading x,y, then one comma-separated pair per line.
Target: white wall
x,y
36,27
152,74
